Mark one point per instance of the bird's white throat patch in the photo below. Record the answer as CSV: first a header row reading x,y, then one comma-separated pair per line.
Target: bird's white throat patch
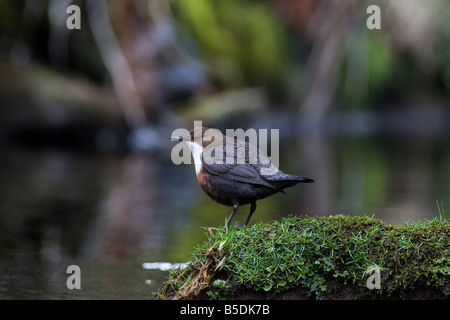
x,y
196,151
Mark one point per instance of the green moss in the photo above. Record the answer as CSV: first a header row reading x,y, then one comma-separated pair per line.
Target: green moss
x,y
318,256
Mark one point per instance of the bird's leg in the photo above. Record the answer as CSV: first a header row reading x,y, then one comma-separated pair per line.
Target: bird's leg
x,y
235,209
252,209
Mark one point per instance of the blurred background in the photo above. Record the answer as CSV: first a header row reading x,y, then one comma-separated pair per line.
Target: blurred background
x,y
86,176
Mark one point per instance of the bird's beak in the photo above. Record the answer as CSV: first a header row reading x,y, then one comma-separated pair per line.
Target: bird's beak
x,y
180,138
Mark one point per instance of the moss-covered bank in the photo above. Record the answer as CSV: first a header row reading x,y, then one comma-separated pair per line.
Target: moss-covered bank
x,y
318,257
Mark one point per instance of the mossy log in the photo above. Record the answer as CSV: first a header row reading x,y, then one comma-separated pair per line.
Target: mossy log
x,y
336,257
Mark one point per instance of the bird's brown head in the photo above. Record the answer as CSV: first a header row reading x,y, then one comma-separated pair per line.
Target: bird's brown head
x,y
203,136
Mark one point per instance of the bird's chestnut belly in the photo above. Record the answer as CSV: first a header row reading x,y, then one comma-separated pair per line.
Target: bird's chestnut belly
x,y
228,192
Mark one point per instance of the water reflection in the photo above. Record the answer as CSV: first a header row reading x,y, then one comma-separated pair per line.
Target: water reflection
x,y
112,214
163,266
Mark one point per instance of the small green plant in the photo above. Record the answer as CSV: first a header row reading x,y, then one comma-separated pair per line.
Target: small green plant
x,y
220,289
441,210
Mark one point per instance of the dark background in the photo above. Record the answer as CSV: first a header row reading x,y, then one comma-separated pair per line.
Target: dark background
x,y
85,116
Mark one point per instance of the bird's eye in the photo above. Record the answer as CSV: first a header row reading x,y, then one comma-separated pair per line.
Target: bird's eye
x,y
180,138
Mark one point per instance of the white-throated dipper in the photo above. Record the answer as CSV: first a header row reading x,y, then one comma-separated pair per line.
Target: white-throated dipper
x,y
234,172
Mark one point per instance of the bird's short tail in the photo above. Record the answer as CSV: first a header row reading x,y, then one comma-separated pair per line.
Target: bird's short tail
x,y
304,179
289,180
281,176
299,178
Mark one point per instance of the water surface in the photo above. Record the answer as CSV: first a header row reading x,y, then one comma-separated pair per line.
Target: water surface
x,y
110,214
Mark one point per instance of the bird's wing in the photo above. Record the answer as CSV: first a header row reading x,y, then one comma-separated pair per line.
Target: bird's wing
x,y
256,158
228,164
